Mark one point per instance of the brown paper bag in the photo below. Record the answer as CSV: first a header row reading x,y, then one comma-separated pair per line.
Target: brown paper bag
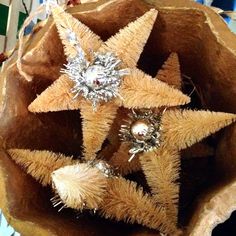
x,y
207,51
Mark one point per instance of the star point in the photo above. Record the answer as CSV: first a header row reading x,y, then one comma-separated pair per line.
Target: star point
x,y
129,42
40,164
57,97
183,128
170,72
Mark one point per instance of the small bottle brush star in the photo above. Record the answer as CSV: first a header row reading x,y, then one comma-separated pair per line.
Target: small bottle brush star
x,y
162,165
121,199
95,186
171,74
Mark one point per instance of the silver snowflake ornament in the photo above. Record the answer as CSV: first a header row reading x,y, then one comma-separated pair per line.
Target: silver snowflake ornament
x,y
98,79
142,131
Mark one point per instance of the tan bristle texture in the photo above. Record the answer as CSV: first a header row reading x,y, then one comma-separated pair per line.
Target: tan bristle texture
x,y
87,39
142,91
56,97
183,128
95,126
80,186
170,72
40,164
120,160
161,168
129,42
125,201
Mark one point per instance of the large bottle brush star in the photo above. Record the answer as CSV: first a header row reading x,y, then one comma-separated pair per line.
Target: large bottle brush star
x,y
99,77
169,73
157,143
161,163
93,186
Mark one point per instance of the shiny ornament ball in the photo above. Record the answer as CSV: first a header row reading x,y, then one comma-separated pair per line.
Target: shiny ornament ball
x,y
141,130
95,76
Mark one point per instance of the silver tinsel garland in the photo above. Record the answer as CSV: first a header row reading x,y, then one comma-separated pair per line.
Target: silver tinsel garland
x,y
97,80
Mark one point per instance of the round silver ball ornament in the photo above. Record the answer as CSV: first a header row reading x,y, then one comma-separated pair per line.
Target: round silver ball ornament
x,y
141,130
98,79
95,76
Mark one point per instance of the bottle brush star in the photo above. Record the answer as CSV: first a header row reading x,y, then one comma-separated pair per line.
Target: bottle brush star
x,y
99,77
93,186
40,164
162,164
122,199
179,129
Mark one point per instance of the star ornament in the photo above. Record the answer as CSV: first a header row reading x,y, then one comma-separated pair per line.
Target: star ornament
x,y
103,74
161,164
93,186
178,130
